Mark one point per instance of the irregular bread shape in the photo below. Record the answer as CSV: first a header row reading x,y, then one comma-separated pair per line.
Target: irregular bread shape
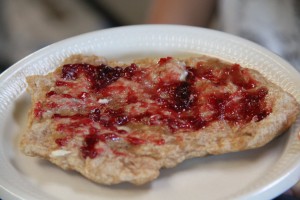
x,y
117,122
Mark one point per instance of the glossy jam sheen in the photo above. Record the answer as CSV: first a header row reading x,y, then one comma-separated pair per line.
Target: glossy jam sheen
x,y
179,104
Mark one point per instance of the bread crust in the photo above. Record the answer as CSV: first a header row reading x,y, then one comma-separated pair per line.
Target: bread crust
x,y
143,162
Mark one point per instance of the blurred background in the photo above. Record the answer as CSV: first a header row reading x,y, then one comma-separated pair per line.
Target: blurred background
x,y
28,25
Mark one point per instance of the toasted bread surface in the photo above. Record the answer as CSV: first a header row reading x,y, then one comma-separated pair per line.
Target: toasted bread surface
x,y
121,122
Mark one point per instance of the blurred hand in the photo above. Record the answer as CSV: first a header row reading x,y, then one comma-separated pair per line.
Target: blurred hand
x,y
185,12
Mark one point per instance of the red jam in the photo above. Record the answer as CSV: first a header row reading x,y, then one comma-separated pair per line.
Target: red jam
x,y
135,140
108,137
232,74
180,96
89,149
62,141
64,83
250,106
177,105
38,111
159,142
98,76
163,61
51,93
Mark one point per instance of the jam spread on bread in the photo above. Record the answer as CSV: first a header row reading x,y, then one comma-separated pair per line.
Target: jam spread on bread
x,y
115,121
175,102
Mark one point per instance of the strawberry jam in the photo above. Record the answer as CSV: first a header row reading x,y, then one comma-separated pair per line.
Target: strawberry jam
x,y
61,141
38,111
98,76
223,76
163,61
178,96
89,149
132,95
250,106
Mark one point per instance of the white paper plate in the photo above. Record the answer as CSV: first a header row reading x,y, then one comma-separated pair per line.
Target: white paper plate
x,y
256,174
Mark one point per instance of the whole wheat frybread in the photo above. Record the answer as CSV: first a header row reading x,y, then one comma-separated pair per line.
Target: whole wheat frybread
x,y
118,122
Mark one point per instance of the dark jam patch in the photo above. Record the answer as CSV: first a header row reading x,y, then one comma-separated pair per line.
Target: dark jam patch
x,y
178,98
95,115
51,93
98,76
250,106
163,61
88,149
237,77
253,106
